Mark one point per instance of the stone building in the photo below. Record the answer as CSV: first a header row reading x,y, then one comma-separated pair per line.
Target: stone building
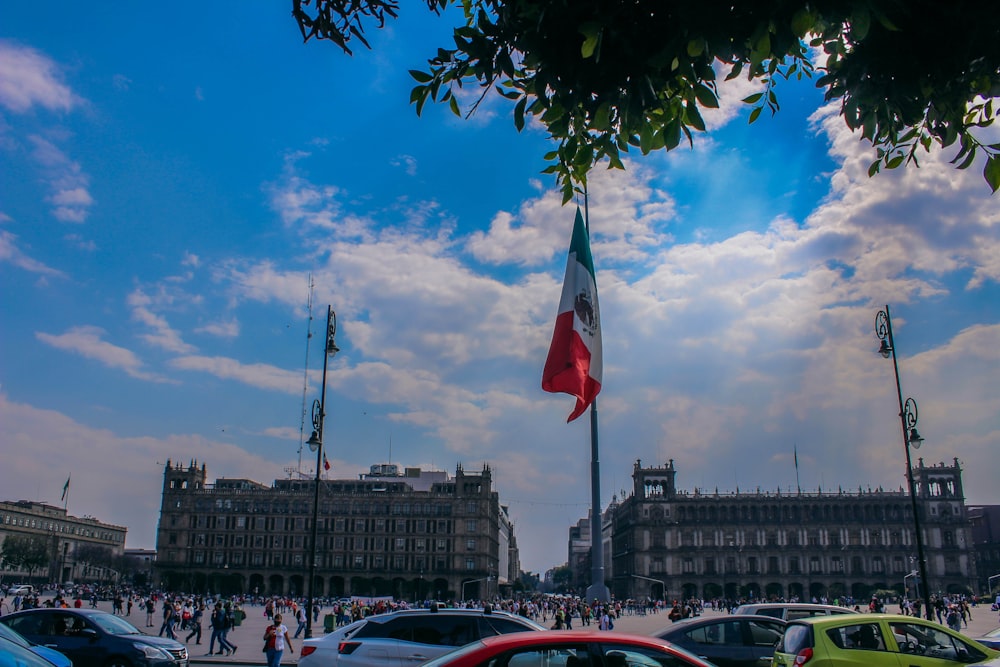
x,y
672,543
413,534
71,542
985,523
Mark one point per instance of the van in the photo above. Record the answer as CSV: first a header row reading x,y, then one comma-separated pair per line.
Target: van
x,y
791,611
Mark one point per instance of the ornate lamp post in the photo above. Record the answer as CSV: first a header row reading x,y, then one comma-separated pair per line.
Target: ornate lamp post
x,y
315,443
908,421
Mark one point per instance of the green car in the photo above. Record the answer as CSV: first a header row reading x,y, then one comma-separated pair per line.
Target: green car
x,y
877,640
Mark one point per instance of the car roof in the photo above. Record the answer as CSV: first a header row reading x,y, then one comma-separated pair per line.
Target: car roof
x,y
712,620
546,636
848,619
382,618
788,605
72,610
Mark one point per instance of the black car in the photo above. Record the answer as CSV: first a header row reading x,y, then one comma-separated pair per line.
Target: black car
x,y
92,638
727,641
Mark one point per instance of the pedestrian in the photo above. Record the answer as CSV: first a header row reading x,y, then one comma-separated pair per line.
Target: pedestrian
x,y
954,618
218,625
169,618
301,618
194,624
275,640
228,623
150,610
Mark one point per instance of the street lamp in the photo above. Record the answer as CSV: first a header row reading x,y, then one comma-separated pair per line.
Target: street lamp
x,y
315,443
908,421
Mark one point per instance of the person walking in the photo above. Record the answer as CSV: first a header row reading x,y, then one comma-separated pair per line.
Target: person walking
x,y
275,640
194,624
301,618
218,624
169,618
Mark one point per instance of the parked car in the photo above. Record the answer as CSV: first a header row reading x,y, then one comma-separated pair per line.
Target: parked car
x,y
52,655
877,640
790,611
21,589
92,638
408,637
570,648
990,640
727,641
15,655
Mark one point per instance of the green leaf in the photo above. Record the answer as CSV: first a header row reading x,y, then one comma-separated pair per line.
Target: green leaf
x,y
602,117
706,97
453,103
802,22
895,162
874,168
695,47
861,23
519,113
753,99
591,33
991,172
421,77
754,114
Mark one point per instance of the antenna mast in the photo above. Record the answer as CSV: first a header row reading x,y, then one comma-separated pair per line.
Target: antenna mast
x,y
305,374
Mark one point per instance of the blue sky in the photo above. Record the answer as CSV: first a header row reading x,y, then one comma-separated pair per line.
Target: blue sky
x,y
170,180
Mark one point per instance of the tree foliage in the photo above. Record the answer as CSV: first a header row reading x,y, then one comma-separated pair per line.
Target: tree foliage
x,y
606,76
28,553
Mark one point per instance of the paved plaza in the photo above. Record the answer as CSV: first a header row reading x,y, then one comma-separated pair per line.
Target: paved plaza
x,y
248,636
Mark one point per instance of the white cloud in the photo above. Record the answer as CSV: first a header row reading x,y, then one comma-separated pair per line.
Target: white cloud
x,y
87,342
29,78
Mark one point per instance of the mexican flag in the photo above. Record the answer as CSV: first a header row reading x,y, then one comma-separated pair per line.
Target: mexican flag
x,y
574,363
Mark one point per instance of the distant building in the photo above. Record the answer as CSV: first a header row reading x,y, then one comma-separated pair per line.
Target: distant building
x,y
414,534
985,523
71,542
671,543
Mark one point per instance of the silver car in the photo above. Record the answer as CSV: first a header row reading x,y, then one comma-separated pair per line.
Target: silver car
x,y
408,637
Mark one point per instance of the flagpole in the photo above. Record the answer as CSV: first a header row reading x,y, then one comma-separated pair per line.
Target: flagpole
x,y
597,589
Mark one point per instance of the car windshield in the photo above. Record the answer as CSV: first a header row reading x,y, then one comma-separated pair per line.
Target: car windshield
x,y
10,635
113,625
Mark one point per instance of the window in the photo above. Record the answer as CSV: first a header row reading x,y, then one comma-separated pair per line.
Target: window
x,y
359,561
687,566
709,566
793,565
862,637
470,545
470,525
815,565
470,563
915,638
878,565
400,543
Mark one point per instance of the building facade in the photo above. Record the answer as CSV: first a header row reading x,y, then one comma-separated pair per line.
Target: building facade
x,y
413,535
671,543
70,543
985,523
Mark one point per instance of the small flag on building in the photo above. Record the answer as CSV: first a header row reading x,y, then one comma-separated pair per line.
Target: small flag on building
x,y
65,488
574,364
326,462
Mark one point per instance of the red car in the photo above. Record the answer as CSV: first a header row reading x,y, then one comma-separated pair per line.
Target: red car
x,y
569,648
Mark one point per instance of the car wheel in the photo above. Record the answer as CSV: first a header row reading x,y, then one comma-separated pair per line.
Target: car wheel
x,y
118,661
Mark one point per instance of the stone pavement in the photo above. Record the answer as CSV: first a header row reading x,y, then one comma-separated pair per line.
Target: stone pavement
x,y
248,637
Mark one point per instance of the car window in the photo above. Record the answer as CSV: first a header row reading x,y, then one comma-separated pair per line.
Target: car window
x,y
764,633
21,656
795,638
37,624
795,613
635,656
860,636
919,639
772,612
11,635
497,625
716,634
67,625
564,656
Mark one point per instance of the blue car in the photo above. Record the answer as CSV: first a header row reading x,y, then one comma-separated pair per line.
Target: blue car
x,y
92,638
13,654
53,656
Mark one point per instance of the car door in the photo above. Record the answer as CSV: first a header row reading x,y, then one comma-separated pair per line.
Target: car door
x,y
720,642
78,639
761,635
922,644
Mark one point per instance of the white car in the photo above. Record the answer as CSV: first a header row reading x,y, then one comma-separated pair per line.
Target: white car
x,y
322,651
408,637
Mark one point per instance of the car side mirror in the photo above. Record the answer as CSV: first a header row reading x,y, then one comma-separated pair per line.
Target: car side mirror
x,y
89,633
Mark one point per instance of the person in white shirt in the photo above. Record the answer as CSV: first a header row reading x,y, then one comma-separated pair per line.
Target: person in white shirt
x,y
275,640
